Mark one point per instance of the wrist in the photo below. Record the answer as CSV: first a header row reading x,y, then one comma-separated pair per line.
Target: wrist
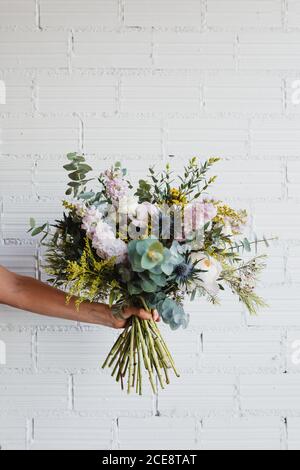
x,y
100,314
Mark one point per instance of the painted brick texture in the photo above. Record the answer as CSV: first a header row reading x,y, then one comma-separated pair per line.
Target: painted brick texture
x,y
140,80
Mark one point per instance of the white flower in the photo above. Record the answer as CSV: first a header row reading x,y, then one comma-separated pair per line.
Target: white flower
x,y
212,272
106,244
128,205
102,231
91,218
112,248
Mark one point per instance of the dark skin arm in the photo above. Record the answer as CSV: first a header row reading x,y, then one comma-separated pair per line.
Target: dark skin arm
x,y
34,296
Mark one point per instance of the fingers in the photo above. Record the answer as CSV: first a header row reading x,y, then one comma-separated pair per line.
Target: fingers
x,y
156,316
141,313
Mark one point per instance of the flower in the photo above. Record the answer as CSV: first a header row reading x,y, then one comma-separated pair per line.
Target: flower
x,y
211,271
202,213
183,272
177,197
90,220
231,220
103,237
128,205
116,187
112,248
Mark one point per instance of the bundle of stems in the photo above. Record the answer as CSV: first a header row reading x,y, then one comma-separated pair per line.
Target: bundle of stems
x,y
140,345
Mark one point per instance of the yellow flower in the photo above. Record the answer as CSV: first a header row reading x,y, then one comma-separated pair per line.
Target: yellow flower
x,y
228,215
176,197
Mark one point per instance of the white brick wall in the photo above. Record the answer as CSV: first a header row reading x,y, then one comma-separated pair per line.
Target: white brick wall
x,y
140,80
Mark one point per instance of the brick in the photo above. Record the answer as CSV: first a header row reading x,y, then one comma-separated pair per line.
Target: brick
x,y
14,183
16,217
66,94
206,137
51,179
239,14
72,433
204,314
198,394
281,220
293,175
150,433
100,50
269,51
293,96
13,433
20,259
283,307
244,93
76,15
100,392
23,50
17,13
249,179
280,137
74,350
33,392
278,393
241,350
293,351
39,136
122,137
18,350
18,93
293,267
202,51
160,95
184,345
241,434
293,14
162,13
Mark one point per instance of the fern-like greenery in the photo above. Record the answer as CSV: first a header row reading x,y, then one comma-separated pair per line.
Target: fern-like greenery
x,y
90,279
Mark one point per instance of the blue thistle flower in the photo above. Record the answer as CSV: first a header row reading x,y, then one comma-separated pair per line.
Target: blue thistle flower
x,y
183,272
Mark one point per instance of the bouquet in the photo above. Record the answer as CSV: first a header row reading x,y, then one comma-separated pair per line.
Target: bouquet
x,y
150,248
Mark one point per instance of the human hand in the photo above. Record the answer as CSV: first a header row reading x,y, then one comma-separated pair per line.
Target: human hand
x,y
120,320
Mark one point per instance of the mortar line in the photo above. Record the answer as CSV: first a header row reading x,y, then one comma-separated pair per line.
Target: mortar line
x,y
38,15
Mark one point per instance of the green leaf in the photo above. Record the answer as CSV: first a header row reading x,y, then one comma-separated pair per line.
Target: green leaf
x,y
71,156
75,176
111,299
70,167
38,230
69,192
247,245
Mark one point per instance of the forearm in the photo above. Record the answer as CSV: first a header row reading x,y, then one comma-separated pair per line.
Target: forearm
x,y
34,296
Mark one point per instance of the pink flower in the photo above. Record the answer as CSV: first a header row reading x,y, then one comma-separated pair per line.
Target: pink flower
x,y
117,189
198,214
